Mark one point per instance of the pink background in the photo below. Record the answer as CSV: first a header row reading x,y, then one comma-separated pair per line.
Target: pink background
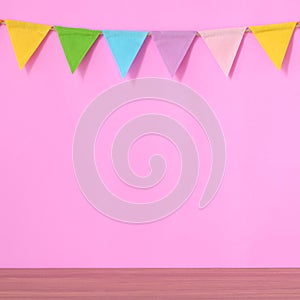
x,y
45,221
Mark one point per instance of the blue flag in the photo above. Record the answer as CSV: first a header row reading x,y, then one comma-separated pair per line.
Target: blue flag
x,y
124,45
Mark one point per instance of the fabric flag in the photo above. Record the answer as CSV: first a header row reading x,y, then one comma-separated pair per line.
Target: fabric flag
x,y
224,45
26,38
173,46
124,46
76,42
274,39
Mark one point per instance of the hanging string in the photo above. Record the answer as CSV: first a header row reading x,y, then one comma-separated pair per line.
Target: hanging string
x,y
2,22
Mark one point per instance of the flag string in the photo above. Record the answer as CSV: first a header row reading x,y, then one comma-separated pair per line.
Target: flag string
x,y
248,30
173,46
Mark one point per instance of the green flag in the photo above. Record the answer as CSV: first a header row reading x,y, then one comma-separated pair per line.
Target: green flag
x,y
76,42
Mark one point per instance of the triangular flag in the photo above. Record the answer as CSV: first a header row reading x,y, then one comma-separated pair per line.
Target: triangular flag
x,y
274,39
173,46
26,38
76,42
124,45
224,45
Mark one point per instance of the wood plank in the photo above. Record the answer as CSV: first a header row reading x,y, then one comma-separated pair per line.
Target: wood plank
x,y
123,284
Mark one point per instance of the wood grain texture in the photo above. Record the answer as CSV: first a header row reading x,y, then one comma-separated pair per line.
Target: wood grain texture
x,y
133,284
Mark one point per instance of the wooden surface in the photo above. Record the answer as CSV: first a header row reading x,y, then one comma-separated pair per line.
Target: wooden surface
x,y
85,284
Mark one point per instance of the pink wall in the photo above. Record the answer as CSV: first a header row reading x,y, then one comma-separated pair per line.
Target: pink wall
x,y
45,221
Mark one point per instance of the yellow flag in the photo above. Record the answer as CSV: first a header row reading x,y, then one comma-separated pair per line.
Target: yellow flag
x,y
274,39
26,38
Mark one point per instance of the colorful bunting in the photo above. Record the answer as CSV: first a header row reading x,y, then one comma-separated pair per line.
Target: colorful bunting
x,y
274,39
26,38
76,42
124,46
224,45
173,46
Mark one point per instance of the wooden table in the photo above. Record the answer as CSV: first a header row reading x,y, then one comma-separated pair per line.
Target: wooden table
x,y
85,284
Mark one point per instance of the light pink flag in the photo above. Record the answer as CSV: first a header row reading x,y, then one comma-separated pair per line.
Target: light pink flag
x,y
173,46
224,45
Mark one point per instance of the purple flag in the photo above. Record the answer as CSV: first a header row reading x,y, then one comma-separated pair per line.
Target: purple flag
x,y
173,46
